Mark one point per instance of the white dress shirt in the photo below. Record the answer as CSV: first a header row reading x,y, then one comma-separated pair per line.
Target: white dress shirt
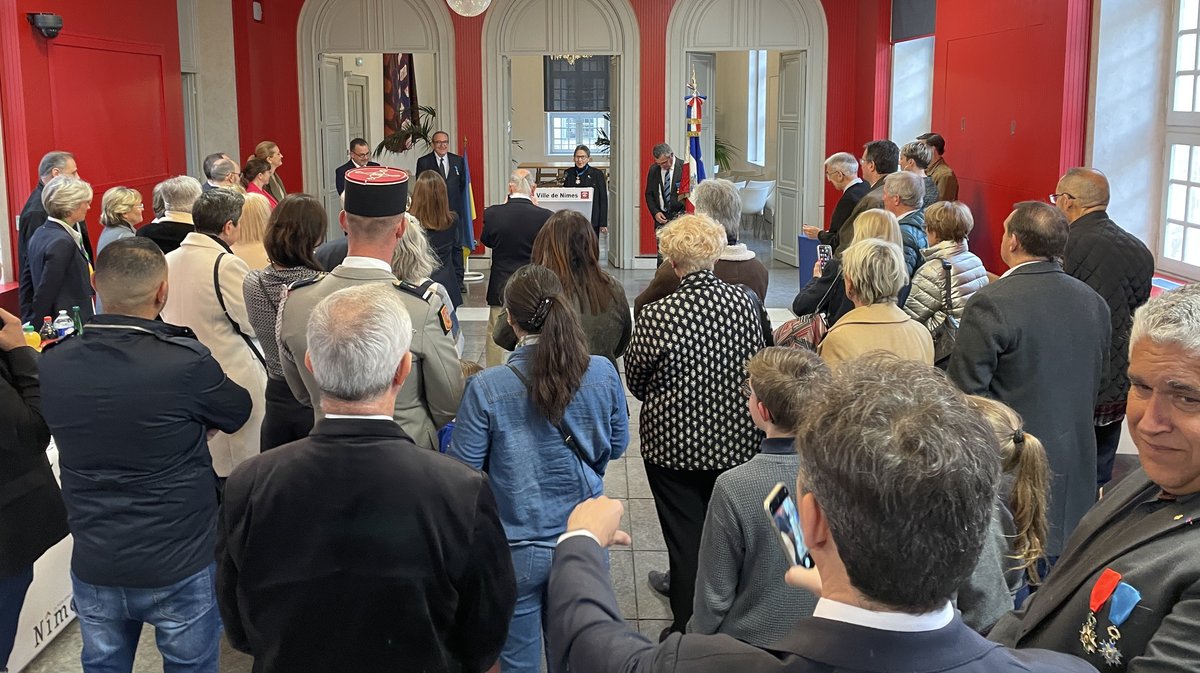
x,y
357,262
884,621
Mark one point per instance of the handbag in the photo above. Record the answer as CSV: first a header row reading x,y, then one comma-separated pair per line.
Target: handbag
x,y
807,331
236,327
945,335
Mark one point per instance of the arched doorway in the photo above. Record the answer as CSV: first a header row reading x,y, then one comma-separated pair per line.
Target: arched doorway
x,y
353,27
797,29
517,28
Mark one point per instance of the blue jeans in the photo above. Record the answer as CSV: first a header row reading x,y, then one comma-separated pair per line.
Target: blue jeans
x,y
522,651
12,597
187,625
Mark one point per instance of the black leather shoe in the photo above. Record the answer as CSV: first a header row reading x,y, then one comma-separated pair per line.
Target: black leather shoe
x,y
660,581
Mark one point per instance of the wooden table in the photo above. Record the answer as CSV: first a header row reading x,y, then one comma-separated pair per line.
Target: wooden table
x,y
551,172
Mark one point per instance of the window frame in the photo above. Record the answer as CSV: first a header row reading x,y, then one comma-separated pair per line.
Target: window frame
x,y
1182,128
756,107
578,116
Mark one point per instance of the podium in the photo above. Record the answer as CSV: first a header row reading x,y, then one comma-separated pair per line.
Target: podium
x,y
806,252
578,199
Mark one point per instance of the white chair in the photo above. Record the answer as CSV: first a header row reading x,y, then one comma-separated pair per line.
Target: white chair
x,y
770,184
767,221
740,185
754,199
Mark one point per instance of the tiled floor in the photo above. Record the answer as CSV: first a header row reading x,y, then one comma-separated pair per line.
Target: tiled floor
x,y
625,479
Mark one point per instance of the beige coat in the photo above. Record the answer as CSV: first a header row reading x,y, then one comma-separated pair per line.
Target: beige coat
x,y
192,302
877,327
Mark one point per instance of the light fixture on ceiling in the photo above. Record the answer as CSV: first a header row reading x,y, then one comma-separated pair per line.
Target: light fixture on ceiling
x,y
569,58
469,7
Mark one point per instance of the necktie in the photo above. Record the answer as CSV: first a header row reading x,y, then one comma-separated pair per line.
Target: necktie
x,y
667,189
442,167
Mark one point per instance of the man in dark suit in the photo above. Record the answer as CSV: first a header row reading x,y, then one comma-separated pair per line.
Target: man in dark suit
x,y
454,171
1144,528
841,170
220,171
395,555
1120,269
360,157
179,195
887,573
33,215
1037,340
509,229
662,188
880,159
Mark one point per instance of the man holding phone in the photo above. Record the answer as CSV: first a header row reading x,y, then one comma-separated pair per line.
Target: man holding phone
x,y
896,489
739,585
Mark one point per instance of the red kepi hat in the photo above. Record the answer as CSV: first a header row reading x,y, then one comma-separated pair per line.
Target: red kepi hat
x,y
376,191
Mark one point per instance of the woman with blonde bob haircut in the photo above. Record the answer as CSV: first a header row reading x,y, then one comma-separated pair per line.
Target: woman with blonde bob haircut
x,y
686,362
947,223
874,273
252,231
120,212
57,261
826,293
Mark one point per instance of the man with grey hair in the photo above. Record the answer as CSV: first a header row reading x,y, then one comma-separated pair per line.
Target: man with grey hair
x,y
1144,528
903,193
719,199
1037,340
1120,269
509,229
179,194
33,215
663,200
841,170
394,554
887,441
880,158
213,178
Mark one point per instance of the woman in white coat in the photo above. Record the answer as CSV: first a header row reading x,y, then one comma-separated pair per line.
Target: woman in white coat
x,y
204,281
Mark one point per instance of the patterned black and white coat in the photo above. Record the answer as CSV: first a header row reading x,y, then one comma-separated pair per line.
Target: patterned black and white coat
x,y
687,363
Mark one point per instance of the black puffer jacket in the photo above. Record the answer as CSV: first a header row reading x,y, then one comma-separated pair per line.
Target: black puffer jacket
x,y
1119,268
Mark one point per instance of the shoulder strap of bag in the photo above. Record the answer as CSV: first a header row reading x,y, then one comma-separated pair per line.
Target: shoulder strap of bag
x,y
946,303
825,297
566,436
236,327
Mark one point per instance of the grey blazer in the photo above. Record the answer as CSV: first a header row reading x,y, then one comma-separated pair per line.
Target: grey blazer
x,y
1155,545
1038,341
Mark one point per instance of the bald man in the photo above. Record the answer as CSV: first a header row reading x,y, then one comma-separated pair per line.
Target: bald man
x,y
1119,268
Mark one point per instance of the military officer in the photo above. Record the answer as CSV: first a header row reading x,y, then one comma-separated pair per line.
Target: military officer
x,y
375,200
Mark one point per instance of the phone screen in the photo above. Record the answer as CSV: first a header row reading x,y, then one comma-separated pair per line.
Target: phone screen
x,y
782,510
824,254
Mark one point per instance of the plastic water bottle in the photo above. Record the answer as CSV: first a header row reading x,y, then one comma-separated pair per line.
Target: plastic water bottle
x,y
63,325
47,332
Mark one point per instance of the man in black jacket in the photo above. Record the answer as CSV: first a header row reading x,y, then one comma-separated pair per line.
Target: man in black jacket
x,y
32,516
129,403
353,549
33,215
453,169
880,159
663,179
360,157
887,573
841,170
509,229
1120,269
179,195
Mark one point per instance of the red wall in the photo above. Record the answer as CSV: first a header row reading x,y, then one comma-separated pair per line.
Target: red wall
x,y
1010,97
107,89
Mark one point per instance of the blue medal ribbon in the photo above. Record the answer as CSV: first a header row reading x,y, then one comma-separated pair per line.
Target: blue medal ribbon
x,y
1124,599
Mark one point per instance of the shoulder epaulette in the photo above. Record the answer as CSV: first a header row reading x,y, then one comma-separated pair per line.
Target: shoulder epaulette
x,y
424,291
305,282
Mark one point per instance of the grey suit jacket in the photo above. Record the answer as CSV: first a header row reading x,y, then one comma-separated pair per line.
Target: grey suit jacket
x,y
1156,547
430,395
587,631
1038,341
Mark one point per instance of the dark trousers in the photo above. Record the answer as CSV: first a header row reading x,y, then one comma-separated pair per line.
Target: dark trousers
x,y
12,597
681,498
1107,439
284,419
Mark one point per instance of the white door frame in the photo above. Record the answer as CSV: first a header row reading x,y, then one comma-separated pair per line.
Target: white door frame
x,y
742,25
611,30
369,26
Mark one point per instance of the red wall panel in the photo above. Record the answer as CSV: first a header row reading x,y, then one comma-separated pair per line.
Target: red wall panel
x,y
1010,97
468,48
107,89
652,16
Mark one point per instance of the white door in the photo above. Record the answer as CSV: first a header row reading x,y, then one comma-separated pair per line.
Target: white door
x,y
331,122
789,156
356,107
705,67
622,227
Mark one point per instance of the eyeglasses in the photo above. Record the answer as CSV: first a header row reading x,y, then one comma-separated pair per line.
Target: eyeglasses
x,y
441,142
360,155
1054,197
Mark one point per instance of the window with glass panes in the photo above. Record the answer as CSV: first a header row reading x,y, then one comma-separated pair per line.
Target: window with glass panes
x,y
1179,242
576,102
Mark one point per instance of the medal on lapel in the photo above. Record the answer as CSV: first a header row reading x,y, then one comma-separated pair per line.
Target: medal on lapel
x,y
1104,587
1124,599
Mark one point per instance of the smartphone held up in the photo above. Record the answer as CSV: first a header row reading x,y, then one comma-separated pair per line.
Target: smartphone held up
x,y
782,510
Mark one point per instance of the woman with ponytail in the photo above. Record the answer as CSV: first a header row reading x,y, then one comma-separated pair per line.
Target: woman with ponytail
x,y
1016,539
544,428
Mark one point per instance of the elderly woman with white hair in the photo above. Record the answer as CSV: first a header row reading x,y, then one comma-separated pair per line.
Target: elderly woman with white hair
x,y
687,363
413,261
718,199
58,262
874,274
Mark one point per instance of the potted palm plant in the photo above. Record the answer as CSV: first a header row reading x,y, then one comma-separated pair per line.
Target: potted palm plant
x,y
411,134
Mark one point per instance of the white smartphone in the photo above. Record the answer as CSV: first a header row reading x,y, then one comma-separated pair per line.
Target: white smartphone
x,y
782,510
824,254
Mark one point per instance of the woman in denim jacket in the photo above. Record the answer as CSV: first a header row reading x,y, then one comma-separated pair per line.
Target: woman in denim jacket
x,y
543,427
